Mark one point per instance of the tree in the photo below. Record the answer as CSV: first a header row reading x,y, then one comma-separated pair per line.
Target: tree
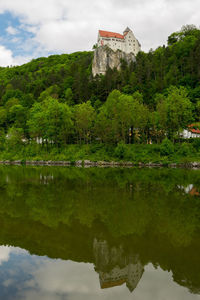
x,y
69,97
14,138
3,116
179,110
52,91
118,115
37,122
51,121
84,116
18,115
58,121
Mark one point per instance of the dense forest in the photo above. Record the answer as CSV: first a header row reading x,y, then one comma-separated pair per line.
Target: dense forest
x,y
57,101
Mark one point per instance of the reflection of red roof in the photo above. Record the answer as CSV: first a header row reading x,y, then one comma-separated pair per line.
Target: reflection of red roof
x,y
110,34
110,284
194,192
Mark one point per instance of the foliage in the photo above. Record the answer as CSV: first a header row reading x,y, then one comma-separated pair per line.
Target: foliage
x,y
185,149
166,148
120,150
84,115
57,101
14,139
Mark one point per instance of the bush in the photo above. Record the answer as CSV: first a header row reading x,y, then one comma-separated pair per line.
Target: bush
x,y
166,147
2,139
186,149
96,147
121,150
196,143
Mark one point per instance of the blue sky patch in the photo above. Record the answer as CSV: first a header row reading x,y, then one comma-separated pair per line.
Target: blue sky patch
x,y
13,36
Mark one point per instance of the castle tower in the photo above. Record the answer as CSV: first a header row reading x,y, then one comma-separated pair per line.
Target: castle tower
x,y
126,30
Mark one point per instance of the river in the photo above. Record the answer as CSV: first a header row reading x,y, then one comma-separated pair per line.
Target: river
x,y
99,233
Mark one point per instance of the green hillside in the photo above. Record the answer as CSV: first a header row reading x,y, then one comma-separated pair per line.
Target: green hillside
x,y
57,100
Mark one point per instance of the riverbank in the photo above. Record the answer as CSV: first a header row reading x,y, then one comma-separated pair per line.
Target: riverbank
x,y
100,155
102,164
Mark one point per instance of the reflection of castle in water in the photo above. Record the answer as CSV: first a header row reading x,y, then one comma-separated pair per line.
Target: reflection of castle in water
x,y
115,268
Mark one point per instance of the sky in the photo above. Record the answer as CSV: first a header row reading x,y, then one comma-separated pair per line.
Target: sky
x,y
34,28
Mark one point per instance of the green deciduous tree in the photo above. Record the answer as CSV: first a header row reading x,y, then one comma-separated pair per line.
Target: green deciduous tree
x,y
51,121
84,116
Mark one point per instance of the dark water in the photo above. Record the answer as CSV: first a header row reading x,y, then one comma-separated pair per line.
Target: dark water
x,y
73,233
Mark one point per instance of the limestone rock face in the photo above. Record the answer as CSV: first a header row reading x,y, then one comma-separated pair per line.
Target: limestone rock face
x,y
105,58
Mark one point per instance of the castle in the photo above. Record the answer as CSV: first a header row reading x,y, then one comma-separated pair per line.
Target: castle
x,y
126,43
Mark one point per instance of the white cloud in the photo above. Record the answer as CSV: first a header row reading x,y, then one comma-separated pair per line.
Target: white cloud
x,y
11,30
67,26
7,58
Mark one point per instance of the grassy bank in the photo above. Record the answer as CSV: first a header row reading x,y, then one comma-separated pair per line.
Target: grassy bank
x,y
136,153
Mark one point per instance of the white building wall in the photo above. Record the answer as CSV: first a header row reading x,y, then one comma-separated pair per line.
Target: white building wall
x,y
186,134
128,45
112,43
131,43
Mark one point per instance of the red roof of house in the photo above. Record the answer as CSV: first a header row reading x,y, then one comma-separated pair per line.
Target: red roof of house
x,y
110,34
193,130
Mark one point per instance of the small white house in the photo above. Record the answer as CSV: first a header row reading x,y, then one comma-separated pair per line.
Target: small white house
x,y
125,42
191,132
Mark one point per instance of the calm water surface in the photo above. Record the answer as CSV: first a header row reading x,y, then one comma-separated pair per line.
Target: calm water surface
x,y
77,234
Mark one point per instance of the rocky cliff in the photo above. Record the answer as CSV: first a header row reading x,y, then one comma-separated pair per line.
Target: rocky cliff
x,y
105,58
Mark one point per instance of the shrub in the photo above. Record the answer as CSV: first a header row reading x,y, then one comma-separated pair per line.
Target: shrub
x,y
120,150
2,139
196,143
166,147
185,149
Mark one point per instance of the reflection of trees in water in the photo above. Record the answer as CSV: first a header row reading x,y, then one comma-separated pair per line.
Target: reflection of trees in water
x,y
137,209
109,254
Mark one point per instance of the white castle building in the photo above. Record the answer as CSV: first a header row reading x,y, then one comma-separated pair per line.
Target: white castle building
x,y
125,42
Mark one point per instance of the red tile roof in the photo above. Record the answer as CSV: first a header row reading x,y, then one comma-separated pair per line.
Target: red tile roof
x,y
110,34
193,130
